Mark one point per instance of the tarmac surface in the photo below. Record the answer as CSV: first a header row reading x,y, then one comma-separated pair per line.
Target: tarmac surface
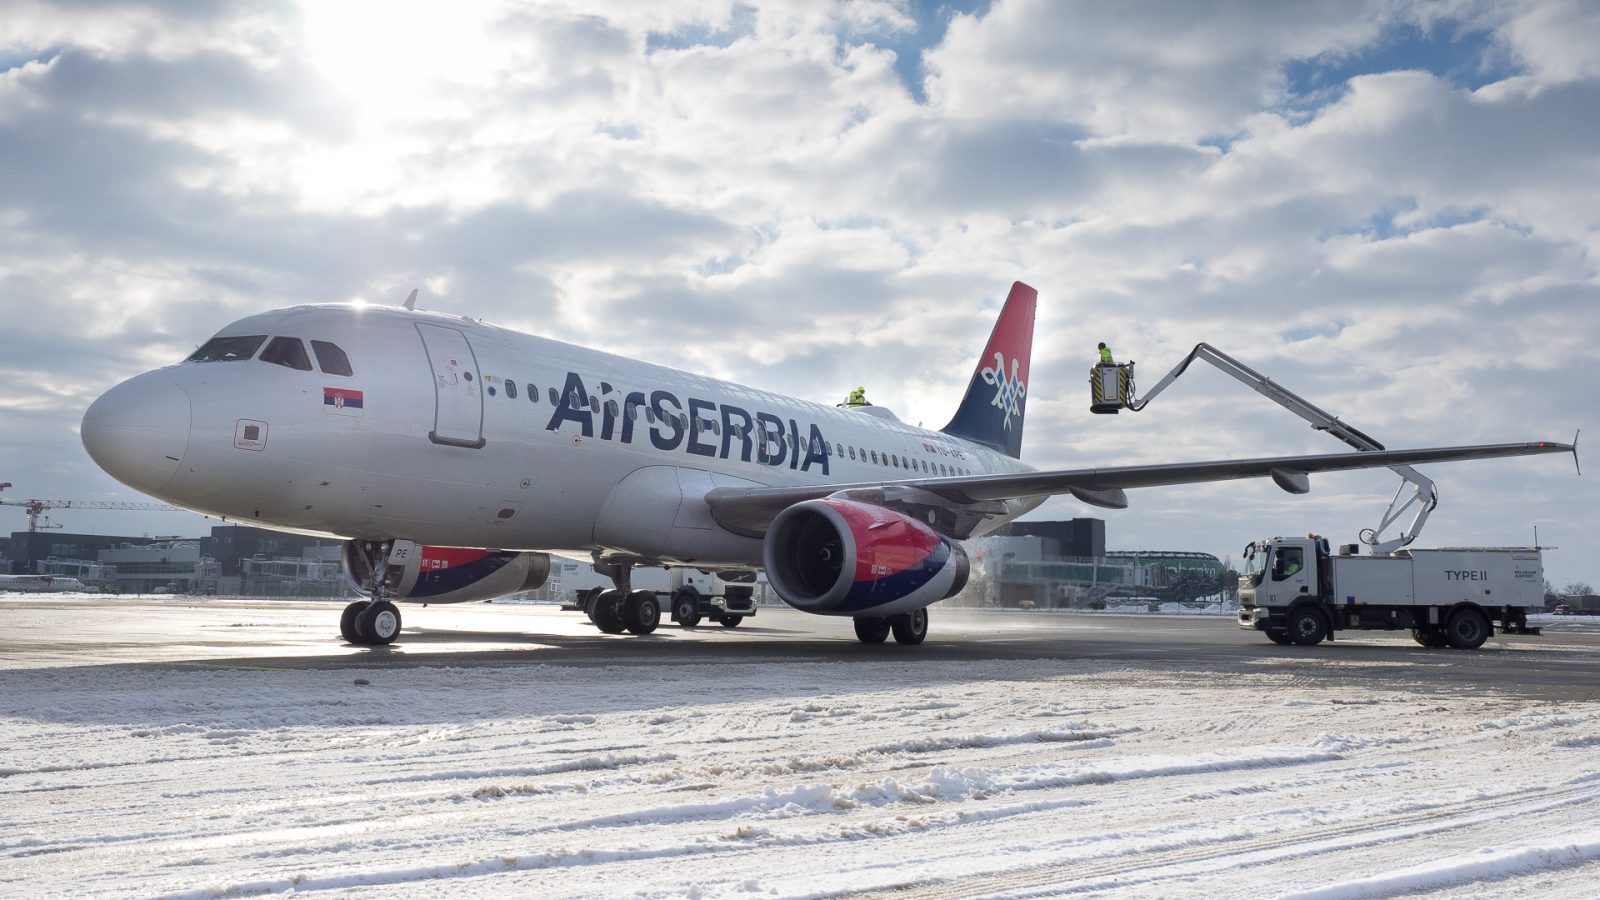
x,y
54,631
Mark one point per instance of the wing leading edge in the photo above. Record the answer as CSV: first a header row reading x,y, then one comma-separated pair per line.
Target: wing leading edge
x,y
749,510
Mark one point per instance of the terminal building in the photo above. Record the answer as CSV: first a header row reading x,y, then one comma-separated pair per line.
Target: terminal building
x,y
234,560
1066,564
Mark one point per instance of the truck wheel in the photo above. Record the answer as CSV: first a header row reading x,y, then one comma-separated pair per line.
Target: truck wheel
x,y
608,611
1278,637
1467,629
641,612
1307,625
1430,636
730,621
686,607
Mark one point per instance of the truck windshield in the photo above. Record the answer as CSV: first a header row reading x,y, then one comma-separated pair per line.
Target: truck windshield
x,y
1255,563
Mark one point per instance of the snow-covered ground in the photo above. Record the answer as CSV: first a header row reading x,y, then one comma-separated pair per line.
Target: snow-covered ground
x,y
939,779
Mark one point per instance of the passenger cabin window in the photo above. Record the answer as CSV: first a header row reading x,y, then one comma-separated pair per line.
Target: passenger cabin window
x,y
511,389
228,349
330,358
287,351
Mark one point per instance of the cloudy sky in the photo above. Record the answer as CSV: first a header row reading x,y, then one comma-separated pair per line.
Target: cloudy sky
x,y
1391,207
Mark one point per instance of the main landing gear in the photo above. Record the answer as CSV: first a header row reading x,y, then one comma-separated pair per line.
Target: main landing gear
x,y
375,622
622,608
908,628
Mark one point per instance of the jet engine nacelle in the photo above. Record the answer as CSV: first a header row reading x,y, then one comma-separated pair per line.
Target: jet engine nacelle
x,y
843,558
449,574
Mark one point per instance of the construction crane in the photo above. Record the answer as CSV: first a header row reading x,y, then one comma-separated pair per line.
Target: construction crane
x,y
36,508
1112,389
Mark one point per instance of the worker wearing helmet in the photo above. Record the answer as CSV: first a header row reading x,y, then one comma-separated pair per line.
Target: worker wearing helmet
x,y
858,397
1105,354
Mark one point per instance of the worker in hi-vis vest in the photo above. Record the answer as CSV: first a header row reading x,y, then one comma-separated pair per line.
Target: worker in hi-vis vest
x,y
858,397
1105,354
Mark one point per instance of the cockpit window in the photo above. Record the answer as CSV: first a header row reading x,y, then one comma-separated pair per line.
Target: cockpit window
x,y
332,359
287,351
228,349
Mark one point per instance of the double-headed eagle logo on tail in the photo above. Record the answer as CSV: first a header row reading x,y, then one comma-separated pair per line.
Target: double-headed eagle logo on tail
x,y
1008,392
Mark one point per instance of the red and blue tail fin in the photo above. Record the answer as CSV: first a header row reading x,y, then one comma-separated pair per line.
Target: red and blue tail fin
x,y
991,412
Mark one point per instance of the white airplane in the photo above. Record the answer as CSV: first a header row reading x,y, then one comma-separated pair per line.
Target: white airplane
x,y
35,584
420,438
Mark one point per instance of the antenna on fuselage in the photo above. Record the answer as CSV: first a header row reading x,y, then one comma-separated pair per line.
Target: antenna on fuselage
x,y
411,301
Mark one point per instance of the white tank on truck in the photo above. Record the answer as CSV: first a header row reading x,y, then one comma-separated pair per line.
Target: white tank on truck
x,y
1298,592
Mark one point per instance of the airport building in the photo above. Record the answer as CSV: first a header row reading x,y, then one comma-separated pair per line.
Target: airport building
x,y
1027,564
233,560
1065,564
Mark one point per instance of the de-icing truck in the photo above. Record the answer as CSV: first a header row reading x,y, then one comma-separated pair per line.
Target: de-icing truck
x,y
1298,592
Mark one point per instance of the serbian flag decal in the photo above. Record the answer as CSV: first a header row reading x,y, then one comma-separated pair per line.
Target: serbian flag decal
x,y
341,401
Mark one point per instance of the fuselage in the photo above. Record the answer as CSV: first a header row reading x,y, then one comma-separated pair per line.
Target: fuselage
x,y
40,583
451,432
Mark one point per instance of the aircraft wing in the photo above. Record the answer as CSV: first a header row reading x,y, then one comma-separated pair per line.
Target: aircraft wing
x,y
749,510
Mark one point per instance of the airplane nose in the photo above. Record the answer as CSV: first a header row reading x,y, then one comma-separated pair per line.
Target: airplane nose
x,y
138,431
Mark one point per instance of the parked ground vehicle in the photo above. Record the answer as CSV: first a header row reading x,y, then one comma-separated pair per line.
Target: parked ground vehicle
x,y
1298,592
688,596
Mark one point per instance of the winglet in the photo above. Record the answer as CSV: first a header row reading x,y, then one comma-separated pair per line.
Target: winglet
x,y
411,301
1575,461
991,412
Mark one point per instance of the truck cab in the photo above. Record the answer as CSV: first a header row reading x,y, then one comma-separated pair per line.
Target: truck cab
x,y
1282,570
1283,587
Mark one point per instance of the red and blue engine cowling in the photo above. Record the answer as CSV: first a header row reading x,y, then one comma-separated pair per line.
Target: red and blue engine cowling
x,y
451,574
843,558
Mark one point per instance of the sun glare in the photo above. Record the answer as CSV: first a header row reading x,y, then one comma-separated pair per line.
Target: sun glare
x,y
395,68
389,59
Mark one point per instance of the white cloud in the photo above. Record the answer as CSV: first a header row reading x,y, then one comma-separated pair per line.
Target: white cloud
x,y
1156,70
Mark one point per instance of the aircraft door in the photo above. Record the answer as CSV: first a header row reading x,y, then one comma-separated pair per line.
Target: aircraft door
x,y
457,387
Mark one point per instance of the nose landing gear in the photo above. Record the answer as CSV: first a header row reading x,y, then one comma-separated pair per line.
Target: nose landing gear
x,y
375,622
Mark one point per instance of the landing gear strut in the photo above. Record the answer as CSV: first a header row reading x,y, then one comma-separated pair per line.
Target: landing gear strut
x,y
374,622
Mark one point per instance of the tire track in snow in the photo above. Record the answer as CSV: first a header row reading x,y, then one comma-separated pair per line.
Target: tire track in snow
x,y
1081,876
